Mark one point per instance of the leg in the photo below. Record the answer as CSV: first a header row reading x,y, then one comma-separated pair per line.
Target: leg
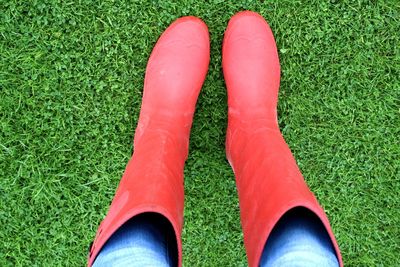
x,y
299,239
153,179
268,179
145,240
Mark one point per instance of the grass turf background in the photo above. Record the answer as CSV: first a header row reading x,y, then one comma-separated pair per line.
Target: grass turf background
x,y
71,76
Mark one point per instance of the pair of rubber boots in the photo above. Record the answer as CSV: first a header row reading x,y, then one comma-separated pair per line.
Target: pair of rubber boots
x,y
268,180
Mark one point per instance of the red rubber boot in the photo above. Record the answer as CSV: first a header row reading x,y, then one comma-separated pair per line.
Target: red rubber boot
x,y
268,180
153,179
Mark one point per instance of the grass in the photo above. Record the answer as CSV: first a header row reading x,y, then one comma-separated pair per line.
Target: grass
x,y
71,76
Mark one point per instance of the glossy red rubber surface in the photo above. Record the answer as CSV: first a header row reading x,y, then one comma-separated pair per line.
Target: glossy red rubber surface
x,y
268,180
153,179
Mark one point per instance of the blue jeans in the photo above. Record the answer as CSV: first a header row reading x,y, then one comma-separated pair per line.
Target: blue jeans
x,y
145,240
299,239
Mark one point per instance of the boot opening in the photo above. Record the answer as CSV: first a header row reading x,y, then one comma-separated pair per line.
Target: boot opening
x,y
147,239
299,239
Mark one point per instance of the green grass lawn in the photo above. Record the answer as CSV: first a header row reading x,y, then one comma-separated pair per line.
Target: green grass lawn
x,y
71,76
